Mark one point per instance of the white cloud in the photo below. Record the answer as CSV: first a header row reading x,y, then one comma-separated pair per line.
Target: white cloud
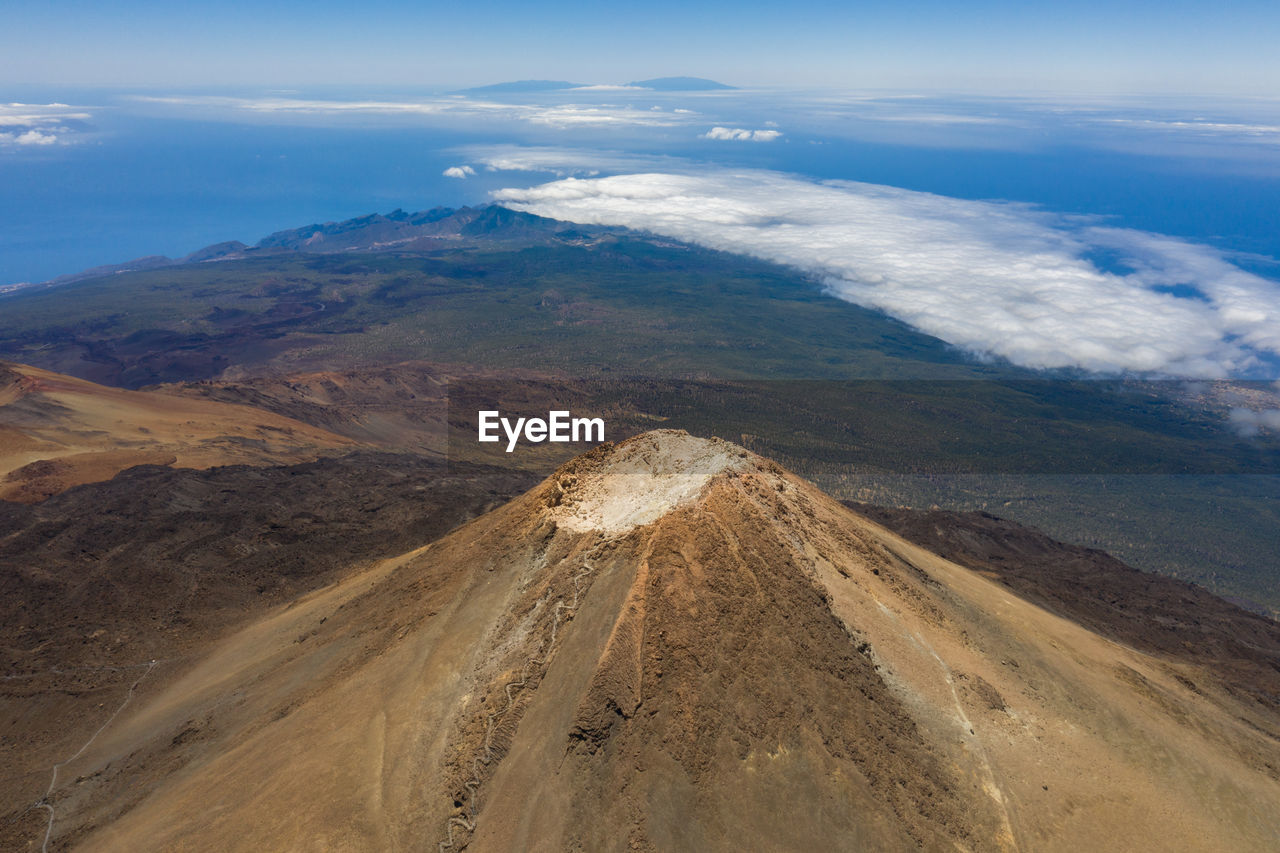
x,y
997,279
35,137
298,105
739,134
564,162
937,118
579,115
39,124
1249,423
1204,127
462,172
552,115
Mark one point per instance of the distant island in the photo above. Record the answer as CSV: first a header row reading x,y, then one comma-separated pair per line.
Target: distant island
x,y
681,84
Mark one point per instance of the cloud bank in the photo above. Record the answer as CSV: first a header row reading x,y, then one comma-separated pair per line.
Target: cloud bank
x,y
739,134
564,162
462,172
996,279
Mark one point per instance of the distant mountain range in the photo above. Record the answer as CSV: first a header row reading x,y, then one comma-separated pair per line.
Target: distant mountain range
x,y
375,232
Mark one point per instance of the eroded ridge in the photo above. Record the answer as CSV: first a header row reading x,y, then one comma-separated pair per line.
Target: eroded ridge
x,y
466,808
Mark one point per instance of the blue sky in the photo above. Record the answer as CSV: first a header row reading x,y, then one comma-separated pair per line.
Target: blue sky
x,y
994,45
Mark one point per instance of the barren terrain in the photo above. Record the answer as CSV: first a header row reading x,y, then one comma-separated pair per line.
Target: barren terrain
x,y
674,644
57,431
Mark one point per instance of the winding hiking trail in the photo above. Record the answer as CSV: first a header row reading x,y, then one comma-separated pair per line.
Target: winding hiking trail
x,y
53,781
495,717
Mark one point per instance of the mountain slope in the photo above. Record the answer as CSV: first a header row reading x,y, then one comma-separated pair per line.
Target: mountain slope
x,y
57,431
157,563
1147,611
674,644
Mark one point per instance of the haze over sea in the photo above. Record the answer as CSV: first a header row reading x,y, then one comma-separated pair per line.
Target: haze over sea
x,y
92,177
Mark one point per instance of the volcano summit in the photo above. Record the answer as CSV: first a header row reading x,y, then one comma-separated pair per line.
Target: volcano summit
x,y
674,644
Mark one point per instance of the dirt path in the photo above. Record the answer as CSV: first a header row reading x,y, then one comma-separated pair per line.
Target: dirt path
x,y
563,612
53,781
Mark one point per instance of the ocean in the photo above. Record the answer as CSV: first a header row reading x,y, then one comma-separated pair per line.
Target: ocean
x,y
143,173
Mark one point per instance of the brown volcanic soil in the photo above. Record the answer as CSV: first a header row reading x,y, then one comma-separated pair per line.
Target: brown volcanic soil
x,y
170,548
727,664
1154,613
399,407
673,644
100,579
58,431
424,407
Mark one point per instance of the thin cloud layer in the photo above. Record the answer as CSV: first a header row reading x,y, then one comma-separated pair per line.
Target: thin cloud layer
x,y
738,134
1263,132
457,106
996,279
563,162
